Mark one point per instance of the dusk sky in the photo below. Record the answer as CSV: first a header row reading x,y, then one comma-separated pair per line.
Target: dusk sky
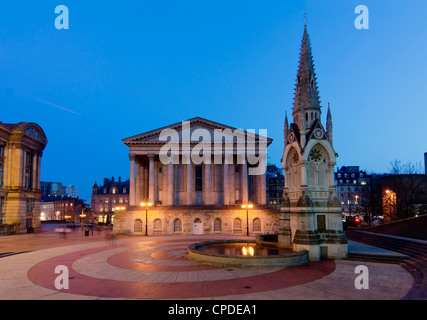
x,y
127,67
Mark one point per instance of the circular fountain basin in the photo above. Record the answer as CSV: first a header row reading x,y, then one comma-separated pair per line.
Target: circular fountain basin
x,y
244,254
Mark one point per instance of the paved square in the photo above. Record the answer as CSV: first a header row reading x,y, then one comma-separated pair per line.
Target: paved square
x,y
157,268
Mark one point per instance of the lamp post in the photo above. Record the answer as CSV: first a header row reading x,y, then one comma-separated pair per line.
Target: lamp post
x,y
146,205
247,207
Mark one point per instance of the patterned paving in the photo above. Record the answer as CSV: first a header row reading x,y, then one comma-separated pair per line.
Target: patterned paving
x,y
159,270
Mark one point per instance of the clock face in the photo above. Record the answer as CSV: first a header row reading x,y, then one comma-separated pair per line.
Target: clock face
x,y
318,133
316,155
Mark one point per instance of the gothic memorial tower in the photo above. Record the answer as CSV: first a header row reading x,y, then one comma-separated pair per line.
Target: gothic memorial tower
x,y
311,216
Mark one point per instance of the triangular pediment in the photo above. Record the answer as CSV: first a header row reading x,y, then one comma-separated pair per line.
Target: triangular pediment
x,y
189,130
293,135
317,132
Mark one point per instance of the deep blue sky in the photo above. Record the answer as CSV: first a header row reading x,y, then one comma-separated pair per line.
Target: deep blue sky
x,y
128,67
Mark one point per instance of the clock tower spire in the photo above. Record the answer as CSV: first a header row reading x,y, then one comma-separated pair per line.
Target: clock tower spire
x,y
311,218
306,102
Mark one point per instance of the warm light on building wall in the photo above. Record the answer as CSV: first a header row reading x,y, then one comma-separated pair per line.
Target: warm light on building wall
x,y
389,204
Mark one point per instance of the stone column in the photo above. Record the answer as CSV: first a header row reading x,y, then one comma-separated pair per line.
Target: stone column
x,y
17,166
189,184
303,168
34,169
226,187
331,174
143,187
262,192
151,178
232,184
39,159
207,184
138,197
170,184
244,183
132,201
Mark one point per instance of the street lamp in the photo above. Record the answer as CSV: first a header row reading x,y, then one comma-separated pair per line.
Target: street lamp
x,y
146,205
247,207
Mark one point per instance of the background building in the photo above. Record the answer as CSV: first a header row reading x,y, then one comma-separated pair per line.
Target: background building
x,y
108,196
275,182
21,148
353,186
381,198
71,191
66,208
50,189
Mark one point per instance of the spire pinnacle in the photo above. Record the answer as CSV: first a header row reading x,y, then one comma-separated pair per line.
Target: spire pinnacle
x,y
306,91
329,123
305,18
285,131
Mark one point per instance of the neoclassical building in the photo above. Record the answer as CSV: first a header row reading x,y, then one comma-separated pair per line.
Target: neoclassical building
x,y
311,217
197,175
21,148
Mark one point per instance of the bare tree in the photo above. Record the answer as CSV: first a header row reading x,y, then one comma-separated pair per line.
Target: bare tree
x,y
402,189
370,204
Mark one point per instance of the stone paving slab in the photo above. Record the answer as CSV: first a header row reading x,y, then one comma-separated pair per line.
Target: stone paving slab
x,y
102,271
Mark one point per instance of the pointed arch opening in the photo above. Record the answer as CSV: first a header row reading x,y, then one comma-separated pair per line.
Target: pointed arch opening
x,y
317,168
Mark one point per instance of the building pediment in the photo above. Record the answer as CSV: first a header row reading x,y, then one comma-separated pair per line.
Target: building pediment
x,y
193,131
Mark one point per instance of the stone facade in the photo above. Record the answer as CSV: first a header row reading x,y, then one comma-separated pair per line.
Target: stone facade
x,y
21,147
218,220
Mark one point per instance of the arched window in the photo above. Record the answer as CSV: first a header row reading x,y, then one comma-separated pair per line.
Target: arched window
x,y
311,174
322,175
257,225
291,172
317,170
237,226
177,225
137,226
217,225
157,227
